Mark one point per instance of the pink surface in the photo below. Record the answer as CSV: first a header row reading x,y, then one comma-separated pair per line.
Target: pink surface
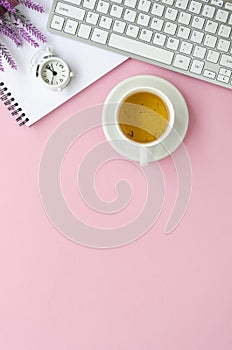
x,y
162,292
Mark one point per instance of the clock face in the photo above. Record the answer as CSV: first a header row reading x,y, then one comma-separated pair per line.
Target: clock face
x,y
55,72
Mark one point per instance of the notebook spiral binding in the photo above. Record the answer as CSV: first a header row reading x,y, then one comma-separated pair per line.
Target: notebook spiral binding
x,y
14,108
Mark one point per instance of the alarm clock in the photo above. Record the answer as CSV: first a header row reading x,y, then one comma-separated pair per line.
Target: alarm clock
x,y
52,71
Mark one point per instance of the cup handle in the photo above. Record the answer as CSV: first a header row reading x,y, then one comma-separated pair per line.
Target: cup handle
x,y
143,156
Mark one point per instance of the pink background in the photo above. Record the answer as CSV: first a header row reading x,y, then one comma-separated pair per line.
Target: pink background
x,y
162,292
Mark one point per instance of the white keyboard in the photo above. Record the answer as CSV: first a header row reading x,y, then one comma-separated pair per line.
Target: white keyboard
x,y
190,37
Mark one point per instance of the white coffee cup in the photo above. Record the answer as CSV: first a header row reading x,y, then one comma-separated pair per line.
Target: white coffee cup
x,y
143,148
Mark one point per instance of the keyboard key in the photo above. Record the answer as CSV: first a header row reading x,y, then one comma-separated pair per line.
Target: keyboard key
x,y
57,22
171,14
212,56
119,26
157,23
70,27
223,45
129,15
130,3
195,7
116,11
159,39
92,18
218,3
168,2
208,11
226,61
181,4
157,10
103,7
197,37
210,40
209,74
89,4
224,31
199,52
143,19
145,35
186,47
224,71
181,62
197,66
142,49
99,36
105,22
132,31
197,22
144,5
211,26
84,31
223,78
172,43
222,16
184,18
170,28
228,6
70,11
183,32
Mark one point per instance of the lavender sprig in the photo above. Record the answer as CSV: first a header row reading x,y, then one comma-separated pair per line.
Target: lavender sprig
x,y
31,5
24,34
6,54
7,5
19,17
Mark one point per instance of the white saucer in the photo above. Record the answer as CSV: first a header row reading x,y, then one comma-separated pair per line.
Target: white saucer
x,y
172,141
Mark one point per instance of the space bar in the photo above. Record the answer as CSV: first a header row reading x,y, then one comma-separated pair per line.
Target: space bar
x,y
141,49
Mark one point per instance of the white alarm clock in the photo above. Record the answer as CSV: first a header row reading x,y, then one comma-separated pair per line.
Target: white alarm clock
x,y
53,72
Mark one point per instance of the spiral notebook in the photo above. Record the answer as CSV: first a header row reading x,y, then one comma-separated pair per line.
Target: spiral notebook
x,y
23,94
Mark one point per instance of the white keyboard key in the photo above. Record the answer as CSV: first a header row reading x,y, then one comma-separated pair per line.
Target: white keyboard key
x,y
171,14
70,27
208,11
105,22
170,28
224,71
75,2
143,19
197,37
119,26
181,4
84,31
103,7
212,56
70,11
228,6
218,3
159,39
132,31
226,61
210,40
157,10
183,32
184,18
130,3
142,49
223,45
222,16
230,20
144,5
224,31
57,22
89,4
199,52
223,78
198,22
209,74
157,23
181,62
172,43
197,66
211,26
186,47
195,7
168,2
145,35
116,11
99,36
92,18
130,15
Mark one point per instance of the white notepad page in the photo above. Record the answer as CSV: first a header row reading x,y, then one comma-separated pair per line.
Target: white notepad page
x,y
88,63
